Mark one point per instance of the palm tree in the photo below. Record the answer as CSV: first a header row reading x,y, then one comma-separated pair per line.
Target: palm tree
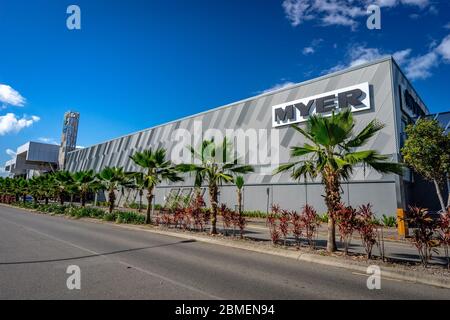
x,y
214,168
332,154
139,184
46,186
10,187
63,184
111,178
34,188
239,185
23,188
156,168
84,181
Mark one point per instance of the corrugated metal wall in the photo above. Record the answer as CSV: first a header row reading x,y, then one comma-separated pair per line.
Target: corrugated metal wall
x,y
366,185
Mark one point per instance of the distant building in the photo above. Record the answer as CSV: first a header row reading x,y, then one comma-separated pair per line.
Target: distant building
x,y
33,158
69,136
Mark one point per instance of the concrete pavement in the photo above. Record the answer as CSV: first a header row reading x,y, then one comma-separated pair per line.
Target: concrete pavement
x,y
116,263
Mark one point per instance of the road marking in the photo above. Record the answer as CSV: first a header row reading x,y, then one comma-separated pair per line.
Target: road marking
x,y
174,282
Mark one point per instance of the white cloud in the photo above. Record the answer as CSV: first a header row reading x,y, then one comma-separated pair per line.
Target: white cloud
x,y
297,11
48,140
10,123
338,12
386,3
392,3
339,20
10,153
312,47
308,50
419,3
9,96
416,67
358,54
402,56
444,48
80,147
420,67
278,86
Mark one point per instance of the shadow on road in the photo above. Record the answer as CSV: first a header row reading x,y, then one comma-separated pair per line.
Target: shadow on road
x,y
96,255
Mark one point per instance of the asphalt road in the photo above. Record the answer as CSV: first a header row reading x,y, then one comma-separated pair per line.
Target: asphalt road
x,y
117,263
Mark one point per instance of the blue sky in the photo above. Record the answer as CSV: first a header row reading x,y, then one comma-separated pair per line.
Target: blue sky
x,y
137,63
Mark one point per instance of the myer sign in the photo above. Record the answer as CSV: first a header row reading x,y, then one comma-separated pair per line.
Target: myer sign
x,y
355,97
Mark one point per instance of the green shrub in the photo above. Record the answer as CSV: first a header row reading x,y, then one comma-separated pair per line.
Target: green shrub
x,y
389,221
95,213
376,221
103,204
254,214
71,211
133,205
130,217
324,218
110,216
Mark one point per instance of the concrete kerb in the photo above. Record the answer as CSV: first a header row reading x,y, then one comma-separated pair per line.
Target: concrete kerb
x,y
387,272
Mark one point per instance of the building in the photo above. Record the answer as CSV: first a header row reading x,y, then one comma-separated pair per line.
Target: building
x,y
69,136
33,158
260,125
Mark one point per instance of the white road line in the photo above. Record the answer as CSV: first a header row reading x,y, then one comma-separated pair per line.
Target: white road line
x,y
174,282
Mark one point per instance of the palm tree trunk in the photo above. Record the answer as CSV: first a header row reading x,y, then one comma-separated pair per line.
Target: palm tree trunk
x,y
148,218
140,200
213,191
239,195
112,199
331,239
46,200
83,199
439,194
332,200
61,199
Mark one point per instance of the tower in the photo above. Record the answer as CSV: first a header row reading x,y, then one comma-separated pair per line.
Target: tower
x,y
69,136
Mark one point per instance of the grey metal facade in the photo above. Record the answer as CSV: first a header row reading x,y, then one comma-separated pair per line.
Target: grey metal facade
x,y
385,192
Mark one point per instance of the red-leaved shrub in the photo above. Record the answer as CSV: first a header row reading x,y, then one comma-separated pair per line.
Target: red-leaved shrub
x,y
272,224
284,224
297,227
366,228
311,222
346,222
424,232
